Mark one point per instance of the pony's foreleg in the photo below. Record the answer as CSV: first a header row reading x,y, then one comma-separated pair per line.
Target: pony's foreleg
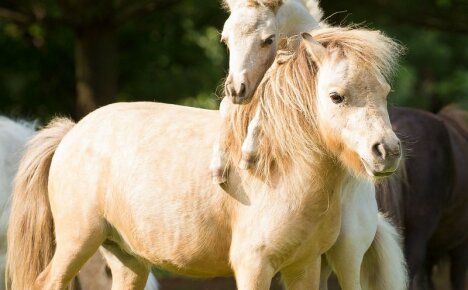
x,y
302,276
358,228
218,163
347,266
252,270
251,142
128,273
325,272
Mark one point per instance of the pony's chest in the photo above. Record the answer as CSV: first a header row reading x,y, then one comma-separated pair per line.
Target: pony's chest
x,y
288,231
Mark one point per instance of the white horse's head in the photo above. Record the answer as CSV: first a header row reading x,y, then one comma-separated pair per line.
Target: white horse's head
x,y
352,98
250,35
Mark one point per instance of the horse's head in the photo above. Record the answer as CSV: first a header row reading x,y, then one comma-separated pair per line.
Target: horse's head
x,y
352,91
250,34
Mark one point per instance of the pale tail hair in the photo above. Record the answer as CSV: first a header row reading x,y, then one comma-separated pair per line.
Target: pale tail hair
x,y
384,266
31,231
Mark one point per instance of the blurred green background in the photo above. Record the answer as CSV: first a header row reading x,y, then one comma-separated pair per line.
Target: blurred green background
x,y
68,57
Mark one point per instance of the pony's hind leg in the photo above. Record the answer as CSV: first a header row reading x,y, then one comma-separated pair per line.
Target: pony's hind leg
x,y
251,143
128,273
74,246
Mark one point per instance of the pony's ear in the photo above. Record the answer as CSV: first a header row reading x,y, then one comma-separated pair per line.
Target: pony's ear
x,y
316,50
227,5
274,5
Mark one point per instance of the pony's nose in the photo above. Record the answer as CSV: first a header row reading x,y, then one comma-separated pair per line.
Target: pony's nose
x,y
237,93
241,93
384,151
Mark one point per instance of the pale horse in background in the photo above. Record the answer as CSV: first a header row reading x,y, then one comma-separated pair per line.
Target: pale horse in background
x,y
107,179
253,32
14,136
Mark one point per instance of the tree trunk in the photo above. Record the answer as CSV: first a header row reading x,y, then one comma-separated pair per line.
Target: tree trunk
x,y
96,67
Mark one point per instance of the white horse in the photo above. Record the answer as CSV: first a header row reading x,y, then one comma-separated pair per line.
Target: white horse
x,y
260,26
13,138
246,31
113,179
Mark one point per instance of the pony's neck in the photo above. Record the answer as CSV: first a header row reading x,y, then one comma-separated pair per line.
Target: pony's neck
x,y
294,17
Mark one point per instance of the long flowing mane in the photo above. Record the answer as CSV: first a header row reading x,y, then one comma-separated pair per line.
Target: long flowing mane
x,y
287,99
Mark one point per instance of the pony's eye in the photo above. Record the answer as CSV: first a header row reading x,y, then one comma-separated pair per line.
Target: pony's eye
x,y
268,41
336,98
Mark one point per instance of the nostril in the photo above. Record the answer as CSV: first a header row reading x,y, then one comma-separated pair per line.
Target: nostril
x,y
397,151
242,91
230,91
378,149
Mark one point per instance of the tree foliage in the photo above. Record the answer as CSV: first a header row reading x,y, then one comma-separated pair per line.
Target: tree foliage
x,y
70,56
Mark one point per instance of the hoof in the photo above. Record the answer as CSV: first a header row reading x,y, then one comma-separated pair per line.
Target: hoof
x,y
247,163
218,177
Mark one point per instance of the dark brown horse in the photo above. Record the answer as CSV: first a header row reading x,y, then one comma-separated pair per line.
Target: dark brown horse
x,y
456,121
432,206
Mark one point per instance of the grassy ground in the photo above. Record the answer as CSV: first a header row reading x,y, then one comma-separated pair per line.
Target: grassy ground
x,y
95,275
440,279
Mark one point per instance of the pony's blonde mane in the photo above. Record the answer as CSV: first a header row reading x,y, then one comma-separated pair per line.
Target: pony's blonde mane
x,y
287,95
370,48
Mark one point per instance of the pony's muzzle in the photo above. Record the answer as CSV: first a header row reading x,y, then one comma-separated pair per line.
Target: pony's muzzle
x,y
237,91
385,158
237,95
384,151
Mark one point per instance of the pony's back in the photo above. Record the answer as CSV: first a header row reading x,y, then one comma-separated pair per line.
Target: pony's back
x,y
456,117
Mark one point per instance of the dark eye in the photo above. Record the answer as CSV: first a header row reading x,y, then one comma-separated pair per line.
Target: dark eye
x,y
268,41
336,98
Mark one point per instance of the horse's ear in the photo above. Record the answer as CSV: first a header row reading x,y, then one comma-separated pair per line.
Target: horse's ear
x,y
227,5
274,5
316,50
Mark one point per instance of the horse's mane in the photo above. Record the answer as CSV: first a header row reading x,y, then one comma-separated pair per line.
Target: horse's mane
x,y
370,48
287,96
